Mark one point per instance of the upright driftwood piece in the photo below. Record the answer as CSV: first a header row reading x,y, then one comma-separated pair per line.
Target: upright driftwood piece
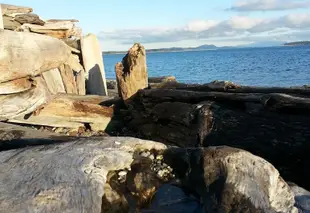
x,y
68,79
80,83
131,74
93,64
29,54
54,81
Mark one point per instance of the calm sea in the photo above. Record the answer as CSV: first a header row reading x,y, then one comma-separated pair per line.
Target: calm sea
x,y
273,66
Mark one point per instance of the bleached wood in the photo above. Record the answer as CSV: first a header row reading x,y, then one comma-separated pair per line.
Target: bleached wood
x,y
29,54
54,81
93,64
15,86
23,103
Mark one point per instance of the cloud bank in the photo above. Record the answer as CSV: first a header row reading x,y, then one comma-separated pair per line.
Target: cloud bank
x,y
268,5
235,27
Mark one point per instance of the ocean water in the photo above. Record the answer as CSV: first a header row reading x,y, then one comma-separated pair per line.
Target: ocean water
x,y
272,66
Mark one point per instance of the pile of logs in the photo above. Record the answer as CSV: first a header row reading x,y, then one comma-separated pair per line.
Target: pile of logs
x,y
45,68
273,122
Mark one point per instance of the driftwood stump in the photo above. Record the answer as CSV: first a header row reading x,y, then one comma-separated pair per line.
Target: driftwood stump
x,y
131,74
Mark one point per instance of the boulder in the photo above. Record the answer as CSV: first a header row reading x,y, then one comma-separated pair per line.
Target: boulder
x,y
232,180
131,74
93,64
68,177
302,198
122,174
24,55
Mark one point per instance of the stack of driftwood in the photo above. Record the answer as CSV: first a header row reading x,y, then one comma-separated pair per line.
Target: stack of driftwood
x,y
46,69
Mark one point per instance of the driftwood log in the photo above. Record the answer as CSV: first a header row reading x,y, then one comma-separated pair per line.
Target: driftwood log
x,y
69,111
20,104
16,86
8,9
274,126
24,54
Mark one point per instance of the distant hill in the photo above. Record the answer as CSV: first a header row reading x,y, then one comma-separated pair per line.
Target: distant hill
x,y
171,49
298,43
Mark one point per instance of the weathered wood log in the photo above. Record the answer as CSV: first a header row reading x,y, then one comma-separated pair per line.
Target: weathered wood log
x,y
29,18
23,55
94,67
15,136
54,81
278,102
1,19
61,30
92,99
68,79
131,74
161,79
26,102
69,177
8,9
62,20
80,83
226,86
64,111
74,43
74,63
15,86
268,125
10,24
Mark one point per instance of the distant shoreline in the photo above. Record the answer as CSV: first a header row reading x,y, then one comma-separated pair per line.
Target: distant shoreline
x,y
205,48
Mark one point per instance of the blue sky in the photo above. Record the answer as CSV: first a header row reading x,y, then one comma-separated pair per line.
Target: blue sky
x,y
166,23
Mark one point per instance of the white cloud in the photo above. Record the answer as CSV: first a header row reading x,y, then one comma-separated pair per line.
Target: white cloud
x,y
268,5
235,27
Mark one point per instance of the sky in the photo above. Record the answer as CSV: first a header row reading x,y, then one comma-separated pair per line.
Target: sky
x,y
181,23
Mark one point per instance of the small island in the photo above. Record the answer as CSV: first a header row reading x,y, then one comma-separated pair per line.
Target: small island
x,y
298,43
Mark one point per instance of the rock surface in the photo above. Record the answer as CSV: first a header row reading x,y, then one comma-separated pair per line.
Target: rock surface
x,y
66,177
131,74
232,180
